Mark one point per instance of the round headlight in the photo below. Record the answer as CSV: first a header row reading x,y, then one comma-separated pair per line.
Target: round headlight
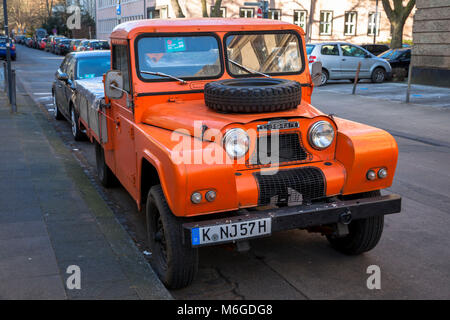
x,y
236,142
321,135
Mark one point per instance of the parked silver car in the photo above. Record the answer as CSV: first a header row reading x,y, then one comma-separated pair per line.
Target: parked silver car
x,y
340,61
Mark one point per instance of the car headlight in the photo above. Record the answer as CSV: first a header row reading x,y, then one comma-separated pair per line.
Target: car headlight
x,y
236,142
321,135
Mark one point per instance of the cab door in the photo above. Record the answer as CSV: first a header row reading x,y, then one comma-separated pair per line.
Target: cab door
x,y
123,112
351,56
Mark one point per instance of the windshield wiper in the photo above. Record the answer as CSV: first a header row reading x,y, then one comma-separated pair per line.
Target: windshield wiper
x,y
248,69
160,74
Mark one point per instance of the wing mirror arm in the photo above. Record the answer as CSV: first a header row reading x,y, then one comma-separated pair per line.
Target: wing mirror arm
x,y
123,91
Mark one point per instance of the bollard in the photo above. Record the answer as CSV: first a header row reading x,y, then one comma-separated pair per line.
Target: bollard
x,y
13,91
356,78
408,91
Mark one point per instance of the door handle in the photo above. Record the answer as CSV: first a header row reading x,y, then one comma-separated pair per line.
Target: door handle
x,y
344,59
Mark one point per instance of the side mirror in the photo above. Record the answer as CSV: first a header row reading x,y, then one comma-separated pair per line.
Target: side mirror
x,y
316,73
62,76
114,84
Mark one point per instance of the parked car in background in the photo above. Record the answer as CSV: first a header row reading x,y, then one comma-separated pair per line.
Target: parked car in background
x,y
42,44
20,39
74,44
398,58
76,66
63,47
56,43
83,45
97,45
3,48
375,49
340,61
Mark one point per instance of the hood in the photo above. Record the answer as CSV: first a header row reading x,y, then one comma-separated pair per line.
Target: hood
x,y
192,114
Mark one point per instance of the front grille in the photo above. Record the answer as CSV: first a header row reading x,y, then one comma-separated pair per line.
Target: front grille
x,y
291,186
290,150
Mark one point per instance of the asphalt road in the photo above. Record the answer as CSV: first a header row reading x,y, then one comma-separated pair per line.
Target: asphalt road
x,y
413,254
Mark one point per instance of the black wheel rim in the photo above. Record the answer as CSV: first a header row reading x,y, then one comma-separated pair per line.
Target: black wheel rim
x,y
160,241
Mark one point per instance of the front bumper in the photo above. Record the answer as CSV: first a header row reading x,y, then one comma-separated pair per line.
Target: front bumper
x,y
306,216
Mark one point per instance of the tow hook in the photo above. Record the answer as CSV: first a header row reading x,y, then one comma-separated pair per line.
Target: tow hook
x,y
346,217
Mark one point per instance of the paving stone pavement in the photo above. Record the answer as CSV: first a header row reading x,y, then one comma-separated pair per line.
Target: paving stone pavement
x,y
51,217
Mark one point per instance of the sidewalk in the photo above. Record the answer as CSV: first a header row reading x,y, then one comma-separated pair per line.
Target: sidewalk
x,y
51,217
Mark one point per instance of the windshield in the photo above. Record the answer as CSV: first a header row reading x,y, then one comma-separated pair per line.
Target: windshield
x,y
179,56
93,67
309,48
269,53
391,54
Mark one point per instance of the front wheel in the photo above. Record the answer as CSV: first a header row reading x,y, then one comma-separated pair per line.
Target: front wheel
x,y
378,75
56,113
363,234
76,131
175,264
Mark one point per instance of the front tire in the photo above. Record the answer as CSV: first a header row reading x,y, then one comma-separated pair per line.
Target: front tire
x,y
378,75
364,234
175,264
56,113
324,77
76,131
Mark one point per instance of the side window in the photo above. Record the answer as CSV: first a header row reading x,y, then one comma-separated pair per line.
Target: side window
x,y
71,68
330,50
63,66
121,63
352,51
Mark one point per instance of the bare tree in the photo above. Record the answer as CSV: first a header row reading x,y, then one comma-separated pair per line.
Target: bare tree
x,y
204,9
177,8
397,16
215,11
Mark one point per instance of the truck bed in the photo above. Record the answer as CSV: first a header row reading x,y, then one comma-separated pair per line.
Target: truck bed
x,y
90,103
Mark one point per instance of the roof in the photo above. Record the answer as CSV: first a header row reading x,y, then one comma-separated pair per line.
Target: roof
x,y
129,29
88,54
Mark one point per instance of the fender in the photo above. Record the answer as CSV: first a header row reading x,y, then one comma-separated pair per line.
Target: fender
x,y
360,148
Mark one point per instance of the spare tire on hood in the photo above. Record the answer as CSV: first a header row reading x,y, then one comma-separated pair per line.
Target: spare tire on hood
x,y
253,95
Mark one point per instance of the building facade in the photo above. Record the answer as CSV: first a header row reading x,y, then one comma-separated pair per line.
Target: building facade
x,y
431,50
345,20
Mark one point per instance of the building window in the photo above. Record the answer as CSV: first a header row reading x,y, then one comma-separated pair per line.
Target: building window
x,y
223,12
159,12
374,25
300,18
326,22
350,23
274,14
246,12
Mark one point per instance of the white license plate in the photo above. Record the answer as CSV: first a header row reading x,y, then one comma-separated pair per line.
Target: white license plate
x,y
2,48
231,231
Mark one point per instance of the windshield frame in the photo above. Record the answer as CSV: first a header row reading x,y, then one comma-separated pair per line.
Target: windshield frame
x,y
276,74
177,34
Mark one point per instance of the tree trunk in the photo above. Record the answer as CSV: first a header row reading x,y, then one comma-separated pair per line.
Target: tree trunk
x,y
216,10
177,9
397,17
204,9
397,35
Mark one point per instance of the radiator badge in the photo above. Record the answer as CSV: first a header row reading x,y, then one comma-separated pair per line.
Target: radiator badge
x,y
279,125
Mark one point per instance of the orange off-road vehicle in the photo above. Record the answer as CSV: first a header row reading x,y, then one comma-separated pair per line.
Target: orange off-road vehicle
x,y
208,125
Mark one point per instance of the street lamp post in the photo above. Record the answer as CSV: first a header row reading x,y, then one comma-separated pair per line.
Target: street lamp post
x,y
376,24
8,53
